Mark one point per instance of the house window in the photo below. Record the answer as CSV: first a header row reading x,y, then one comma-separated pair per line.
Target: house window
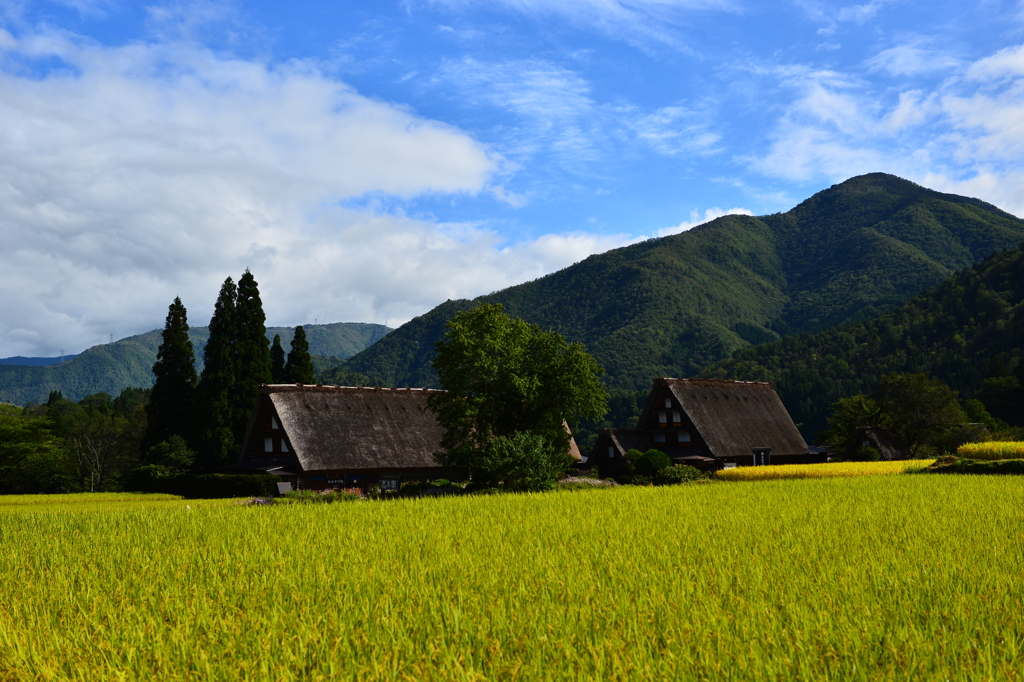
x,y
676,419
663,417
389,483
668,402
273,424
684,436
611,451
659,438
284,446
268,445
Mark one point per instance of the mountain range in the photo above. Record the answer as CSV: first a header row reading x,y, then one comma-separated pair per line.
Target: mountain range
x,y
111,367
967,332
674,305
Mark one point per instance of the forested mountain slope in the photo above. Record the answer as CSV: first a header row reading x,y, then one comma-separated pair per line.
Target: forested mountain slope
x,y
969,327
671,306
112,367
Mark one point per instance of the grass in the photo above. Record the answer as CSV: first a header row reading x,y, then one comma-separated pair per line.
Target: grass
x,y
992,450
870,578
829,470
98,502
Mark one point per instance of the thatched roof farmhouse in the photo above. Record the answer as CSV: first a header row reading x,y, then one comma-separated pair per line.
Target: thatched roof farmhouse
x,y
317,437
708,423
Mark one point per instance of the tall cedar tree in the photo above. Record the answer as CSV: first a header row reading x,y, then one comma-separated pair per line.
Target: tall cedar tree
x,y
277,360
252,354
217,444
171,409
299,369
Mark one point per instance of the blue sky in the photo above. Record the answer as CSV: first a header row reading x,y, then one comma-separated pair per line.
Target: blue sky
x,y
369,160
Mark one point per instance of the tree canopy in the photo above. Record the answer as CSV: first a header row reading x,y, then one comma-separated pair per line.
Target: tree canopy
x,y
503,377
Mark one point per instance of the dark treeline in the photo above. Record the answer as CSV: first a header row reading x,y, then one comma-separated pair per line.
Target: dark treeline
x,y
63,446
187,424
968,332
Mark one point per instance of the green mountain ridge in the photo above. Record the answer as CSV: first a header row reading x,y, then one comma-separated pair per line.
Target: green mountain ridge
x,y
674,305
956,332
112,367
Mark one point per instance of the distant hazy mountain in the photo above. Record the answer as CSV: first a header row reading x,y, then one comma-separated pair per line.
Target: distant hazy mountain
x,y
671,306
111,367
34,362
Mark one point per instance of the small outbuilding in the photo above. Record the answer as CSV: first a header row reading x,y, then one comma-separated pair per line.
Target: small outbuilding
x,y
710,423
880,438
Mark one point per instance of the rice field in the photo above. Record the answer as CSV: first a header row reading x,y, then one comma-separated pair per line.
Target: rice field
x,y
992,450
862,578
99,502
827,470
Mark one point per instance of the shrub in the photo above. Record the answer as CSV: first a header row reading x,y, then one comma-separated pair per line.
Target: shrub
x,y
992,450
651,462
961,465
680,473
321,496
866,453
153,479
523,462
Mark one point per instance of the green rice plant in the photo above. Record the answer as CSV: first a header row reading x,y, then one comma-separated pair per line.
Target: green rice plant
x,y
827,470
863,578
91,502
992,450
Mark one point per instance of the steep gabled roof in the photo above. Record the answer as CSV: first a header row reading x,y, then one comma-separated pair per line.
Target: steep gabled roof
x,y
630,439
882,439
732,416
344,427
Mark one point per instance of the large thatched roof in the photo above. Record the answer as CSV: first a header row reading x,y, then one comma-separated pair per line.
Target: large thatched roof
x,y
731,416
343,427
351,428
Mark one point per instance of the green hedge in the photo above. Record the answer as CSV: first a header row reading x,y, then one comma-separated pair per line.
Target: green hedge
x,y
209,486
961,465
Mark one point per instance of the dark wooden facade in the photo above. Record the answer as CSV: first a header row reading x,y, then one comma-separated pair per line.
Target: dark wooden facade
x,y
709,424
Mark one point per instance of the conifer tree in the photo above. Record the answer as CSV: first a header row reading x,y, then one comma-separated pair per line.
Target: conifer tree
x,y
252,354
171,408
217,441
299,369
277,360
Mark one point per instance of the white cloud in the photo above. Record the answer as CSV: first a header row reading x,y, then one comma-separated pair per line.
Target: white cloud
x,y
861,13
559,116
968,131
638,22
696,219
1006,63
150,171
553,104
912,59
674,130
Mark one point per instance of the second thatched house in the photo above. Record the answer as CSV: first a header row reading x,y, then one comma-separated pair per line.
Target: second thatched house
x,y
709,423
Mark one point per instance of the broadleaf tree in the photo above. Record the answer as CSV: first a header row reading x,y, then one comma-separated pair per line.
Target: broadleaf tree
x,y
503,377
